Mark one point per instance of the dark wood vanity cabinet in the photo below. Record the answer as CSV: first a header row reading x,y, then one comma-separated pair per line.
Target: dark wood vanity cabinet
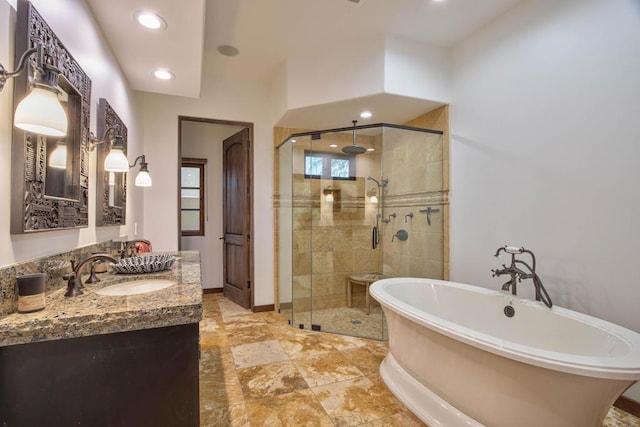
x,y
138,378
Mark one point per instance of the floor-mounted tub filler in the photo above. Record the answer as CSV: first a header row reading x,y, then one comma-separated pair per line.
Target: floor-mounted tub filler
x,y
462,355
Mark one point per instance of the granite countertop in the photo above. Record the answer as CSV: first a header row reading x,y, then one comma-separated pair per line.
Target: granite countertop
x,y
94,314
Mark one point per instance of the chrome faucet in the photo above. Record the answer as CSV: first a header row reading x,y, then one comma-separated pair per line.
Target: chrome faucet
x,y
517,274
74,281
128,248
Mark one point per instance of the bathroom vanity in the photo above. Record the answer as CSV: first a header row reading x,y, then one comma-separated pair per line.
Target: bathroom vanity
x,y
106,360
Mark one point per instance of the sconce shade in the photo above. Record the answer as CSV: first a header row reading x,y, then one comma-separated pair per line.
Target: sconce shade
x,y
143,179
58,157
116,161
374,199
329,197
41,112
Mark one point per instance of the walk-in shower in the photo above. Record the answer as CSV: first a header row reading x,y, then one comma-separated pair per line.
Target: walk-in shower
x,y
351,206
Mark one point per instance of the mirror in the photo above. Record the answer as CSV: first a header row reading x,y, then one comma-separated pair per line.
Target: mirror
x,y
45,197
62,176
112,186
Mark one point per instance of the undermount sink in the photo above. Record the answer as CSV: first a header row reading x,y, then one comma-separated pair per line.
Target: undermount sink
x,y
135,287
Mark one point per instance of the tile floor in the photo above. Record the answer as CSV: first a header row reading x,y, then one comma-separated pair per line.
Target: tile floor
x,y
256,370
343,320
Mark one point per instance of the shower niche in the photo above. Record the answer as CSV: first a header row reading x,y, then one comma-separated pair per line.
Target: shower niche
x,y
343,197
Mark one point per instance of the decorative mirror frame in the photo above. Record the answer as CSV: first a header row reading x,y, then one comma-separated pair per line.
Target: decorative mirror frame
x,y
31,209
109,215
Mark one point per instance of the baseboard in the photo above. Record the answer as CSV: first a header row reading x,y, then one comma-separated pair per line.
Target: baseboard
x,y
628,405
212,290
261,308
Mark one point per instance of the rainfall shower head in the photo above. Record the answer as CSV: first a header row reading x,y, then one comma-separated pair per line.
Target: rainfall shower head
x,y
354,148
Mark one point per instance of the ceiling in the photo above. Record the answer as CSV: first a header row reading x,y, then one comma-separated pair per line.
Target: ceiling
x,y
266,32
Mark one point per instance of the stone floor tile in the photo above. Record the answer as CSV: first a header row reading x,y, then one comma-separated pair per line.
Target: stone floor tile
x,y
230,308
326,368
260,353
343,342
242,321
263,381
254,333
296,409
619,418
214,339
211,323
303,346
367,358
228,416
402,419
356,401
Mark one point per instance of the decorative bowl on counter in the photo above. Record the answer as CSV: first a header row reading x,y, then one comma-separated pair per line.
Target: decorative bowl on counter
x,y
148,263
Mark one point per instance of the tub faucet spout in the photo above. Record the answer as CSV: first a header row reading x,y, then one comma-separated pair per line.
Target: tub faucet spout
x,y
517,274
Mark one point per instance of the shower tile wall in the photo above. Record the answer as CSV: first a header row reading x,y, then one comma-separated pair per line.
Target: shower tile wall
x,y
414,167
331,240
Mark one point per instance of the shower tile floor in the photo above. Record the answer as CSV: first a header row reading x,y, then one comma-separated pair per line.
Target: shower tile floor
x,y
343,320
256,370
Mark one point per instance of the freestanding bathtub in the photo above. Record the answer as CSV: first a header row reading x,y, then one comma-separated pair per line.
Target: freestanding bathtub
x,y
456,359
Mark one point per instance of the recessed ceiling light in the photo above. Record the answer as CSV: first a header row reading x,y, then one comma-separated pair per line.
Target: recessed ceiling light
x,y
438,1
228,50
150,20
333,145
293,140
365,114
371,149
163,74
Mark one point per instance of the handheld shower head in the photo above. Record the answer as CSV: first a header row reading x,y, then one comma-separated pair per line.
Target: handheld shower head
x,y
370,178
380,184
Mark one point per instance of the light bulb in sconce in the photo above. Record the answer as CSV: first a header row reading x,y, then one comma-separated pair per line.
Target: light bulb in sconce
x,y
143,179
58,157
373,195
116,161
40,110
112,178
328,193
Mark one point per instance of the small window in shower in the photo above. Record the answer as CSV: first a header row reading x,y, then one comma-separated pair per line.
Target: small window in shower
x,y
329,165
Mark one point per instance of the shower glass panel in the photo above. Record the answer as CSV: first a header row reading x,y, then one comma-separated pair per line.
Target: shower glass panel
x,y
346,220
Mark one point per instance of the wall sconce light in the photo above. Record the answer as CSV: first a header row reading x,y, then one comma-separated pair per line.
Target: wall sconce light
x,y
373,195
58,157
143,179
116,161
40,111
328,192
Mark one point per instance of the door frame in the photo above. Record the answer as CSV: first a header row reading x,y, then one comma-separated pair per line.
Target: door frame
x,y
250,171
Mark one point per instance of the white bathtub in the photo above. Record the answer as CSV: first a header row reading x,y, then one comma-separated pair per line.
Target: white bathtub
x,y
455,358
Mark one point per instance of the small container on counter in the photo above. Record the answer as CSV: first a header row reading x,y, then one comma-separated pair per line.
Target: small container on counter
x,y
31,292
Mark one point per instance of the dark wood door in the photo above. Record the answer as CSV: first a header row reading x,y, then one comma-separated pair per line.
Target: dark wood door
x,y
237,218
